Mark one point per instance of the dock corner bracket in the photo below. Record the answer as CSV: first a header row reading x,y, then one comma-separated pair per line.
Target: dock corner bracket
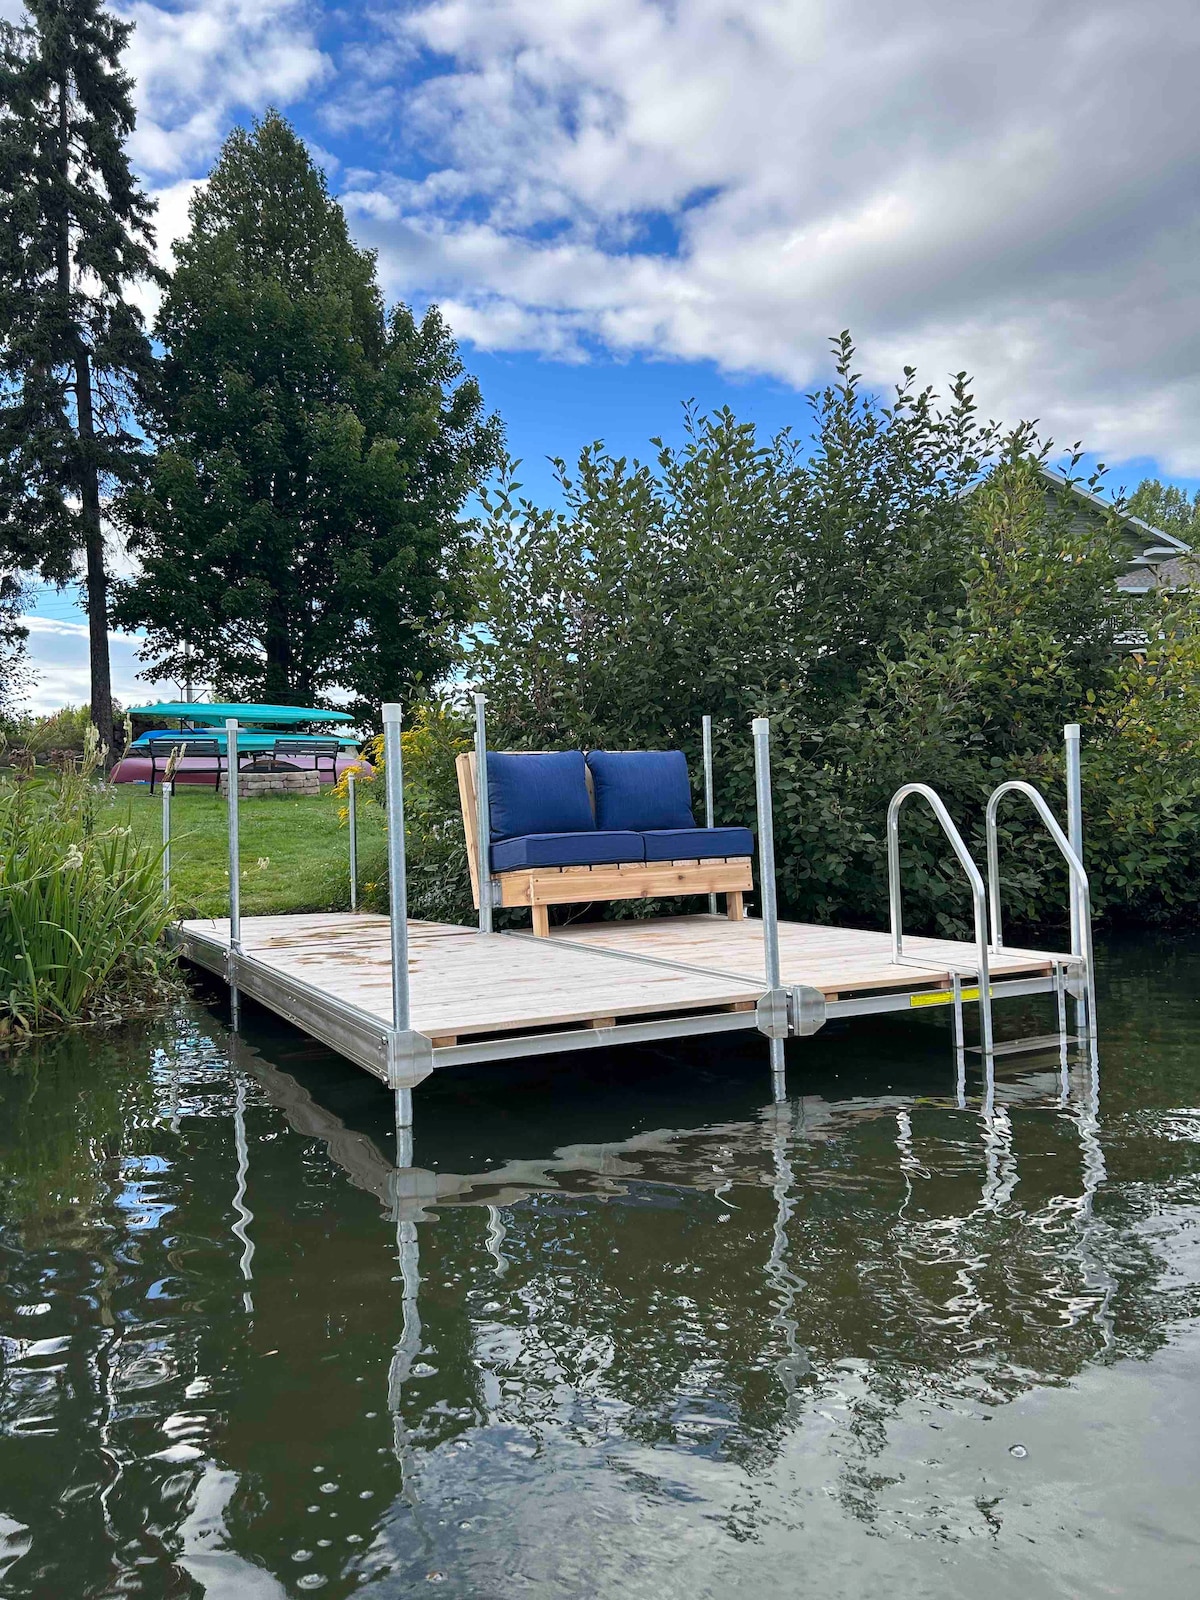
x,y
409,1059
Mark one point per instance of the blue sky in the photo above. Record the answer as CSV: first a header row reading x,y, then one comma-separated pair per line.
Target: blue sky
x,y
621,204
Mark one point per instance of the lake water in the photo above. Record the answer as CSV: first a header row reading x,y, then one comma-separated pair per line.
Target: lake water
x,y
653,1336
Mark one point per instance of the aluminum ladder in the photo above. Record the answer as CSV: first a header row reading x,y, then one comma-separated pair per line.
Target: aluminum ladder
x,y
978,895
1082,978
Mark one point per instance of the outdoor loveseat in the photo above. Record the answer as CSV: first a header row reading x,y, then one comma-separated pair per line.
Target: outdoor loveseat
x,y
612,825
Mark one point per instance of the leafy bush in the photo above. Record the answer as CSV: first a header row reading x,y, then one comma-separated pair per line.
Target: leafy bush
x,y
438,883
892,625
81,908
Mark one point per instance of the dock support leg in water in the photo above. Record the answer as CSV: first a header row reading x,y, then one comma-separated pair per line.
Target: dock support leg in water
x,y
235,872
404,1130
410,1055
772,1010
1085,1020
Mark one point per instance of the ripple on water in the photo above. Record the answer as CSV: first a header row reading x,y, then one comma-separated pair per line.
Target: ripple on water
x,y
596,1367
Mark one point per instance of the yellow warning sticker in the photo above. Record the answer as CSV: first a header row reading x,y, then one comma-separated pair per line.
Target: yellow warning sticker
x,y
941,997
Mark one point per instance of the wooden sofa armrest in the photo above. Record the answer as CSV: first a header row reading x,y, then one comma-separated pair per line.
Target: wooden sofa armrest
x,y
464,768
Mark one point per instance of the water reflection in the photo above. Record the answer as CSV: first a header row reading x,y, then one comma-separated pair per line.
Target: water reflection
x,y
628,1328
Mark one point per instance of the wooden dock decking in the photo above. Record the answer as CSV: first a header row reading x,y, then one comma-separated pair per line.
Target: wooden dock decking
x,y
502,995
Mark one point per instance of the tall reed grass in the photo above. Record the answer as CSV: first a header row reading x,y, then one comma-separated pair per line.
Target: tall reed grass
x,y
82,911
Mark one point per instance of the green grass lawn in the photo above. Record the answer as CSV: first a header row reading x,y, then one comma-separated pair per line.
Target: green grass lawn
x,y
295,852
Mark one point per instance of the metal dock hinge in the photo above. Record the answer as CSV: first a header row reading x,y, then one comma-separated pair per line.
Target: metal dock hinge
x,y
798,1012
771,1014
409,1059
807,1008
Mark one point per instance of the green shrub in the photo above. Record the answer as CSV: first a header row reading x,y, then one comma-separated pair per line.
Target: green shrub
x,y
893,628
438,883
81,907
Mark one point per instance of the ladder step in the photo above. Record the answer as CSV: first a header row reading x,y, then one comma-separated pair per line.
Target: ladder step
x,y
1038,1042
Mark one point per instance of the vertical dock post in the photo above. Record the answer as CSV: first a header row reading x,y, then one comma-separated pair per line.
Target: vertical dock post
x,y
235,877
484,816
168,786
352,802
1071,741
709,819
398,908
766,874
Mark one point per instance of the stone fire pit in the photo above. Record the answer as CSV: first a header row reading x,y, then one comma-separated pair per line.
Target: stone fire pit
x,y
258,778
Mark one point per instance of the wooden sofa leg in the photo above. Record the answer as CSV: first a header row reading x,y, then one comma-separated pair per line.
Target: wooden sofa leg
x,y
541,921
734,909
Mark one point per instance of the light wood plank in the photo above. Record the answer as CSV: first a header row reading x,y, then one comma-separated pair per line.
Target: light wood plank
x,y
466,983
628,880
463,983
834,960
464,768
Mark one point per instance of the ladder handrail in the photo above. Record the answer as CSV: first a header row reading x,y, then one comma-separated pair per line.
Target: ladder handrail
x,y
974,878
1081,895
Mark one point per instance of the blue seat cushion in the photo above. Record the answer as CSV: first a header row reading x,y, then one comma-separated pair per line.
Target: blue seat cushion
x,y
542,792
592,849
686,844
641,789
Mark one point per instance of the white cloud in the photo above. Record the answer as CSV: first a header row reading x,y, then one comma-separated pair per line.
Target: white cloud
x,y
1009,190
200,64
58,654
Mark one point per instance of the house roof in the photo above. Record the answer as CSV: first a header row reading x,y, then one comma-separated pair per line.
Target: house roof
x,y
1181,572
1160,559
1166,544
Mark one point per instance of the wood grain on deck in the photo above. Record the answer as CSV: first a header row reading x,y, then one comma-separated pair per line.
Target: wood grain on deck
x,y
464,983
834,960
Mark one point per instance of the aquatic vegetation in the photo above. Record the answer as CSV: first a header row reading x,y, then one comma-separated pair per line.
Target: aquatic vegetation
x,y
82,911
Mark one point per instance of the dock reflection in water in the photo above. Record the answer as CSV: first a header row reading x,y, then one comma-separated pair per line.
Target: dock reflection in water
x,y
623,1331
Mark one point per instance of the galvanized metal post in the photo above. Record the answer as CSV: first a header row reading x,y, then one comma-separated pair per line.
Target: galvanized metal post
x,y
167,787
706,726
352,801
766,874
1071,740
398,908
235,857
483,814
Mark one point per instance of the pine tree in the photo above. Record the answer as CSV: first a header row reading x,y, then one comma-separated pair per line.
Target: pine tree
x,y
14,670
301,532
75,235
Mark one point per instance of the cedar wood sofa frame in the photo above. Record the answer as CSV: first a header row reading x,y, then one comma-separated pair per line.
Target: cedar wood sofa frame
x,y
539,888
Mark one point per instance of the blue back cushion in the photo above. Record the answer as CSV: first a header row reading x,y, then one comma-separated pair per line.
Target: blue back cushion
x,y
538,793
641,789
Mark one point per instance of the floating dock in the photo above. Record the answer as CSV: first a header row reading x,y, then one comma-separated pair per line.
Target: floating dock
x,y
404,998
496,996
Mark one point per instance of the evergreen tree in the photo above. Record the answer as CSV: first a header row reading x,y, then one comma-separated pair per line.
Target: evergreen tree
x,y
14,670
301,531
75,234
